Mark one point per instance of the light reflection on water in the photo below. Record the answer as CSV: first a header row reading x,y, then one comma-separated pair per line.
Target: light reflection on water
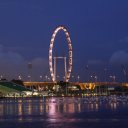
x,y
61,112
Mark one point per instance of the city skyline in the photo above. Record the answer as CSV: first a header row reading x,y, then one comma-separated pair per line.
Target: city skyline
x,y
98,30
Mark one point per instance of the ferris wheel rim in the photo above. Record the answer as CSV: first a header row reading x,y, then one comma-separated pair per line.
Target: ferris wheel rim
x,y
69,51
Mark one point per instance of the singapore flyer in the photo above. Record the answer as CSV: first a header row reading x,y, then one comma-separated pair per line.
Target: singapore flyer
x,y
52,72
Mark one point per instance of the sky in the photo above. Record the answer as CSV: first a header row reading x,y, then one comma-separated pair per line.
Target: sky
x,y
98,30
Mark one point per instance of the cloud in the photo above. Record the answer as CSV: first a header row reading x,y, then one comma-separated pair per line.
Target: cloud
x,y
12,64
125,39
9,57
119,57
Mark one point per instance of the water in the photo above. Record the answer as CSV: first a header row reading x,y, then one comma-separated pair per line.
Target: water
x,y
63,113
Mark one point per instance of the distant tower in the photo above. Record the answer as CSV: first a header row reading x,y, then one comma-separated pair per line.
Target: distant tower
x,y
30,71
53,71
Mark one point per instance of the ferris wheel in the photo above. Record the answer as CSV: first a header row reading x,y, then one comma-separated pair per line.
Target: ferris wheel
x,y
68,72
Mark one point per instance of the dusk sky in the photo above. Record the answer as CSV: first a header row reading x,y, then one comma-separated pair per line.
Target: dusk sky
x,y
98,30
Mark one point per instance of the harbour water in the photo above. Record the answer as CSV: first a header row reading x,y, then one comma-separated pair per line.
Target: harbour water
x,y
64,112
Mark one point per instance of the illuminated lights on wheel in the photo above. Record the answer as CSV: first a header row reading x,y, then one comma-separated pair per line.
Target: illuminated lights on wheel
x,y
69,53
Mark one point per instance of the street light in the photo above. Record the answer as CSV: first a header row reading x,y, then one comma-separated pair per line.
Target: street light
x,y
46,77
72,78
91,78
19,77
58,77
113,77
41,77
95,77
64,78
78,77
29,77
